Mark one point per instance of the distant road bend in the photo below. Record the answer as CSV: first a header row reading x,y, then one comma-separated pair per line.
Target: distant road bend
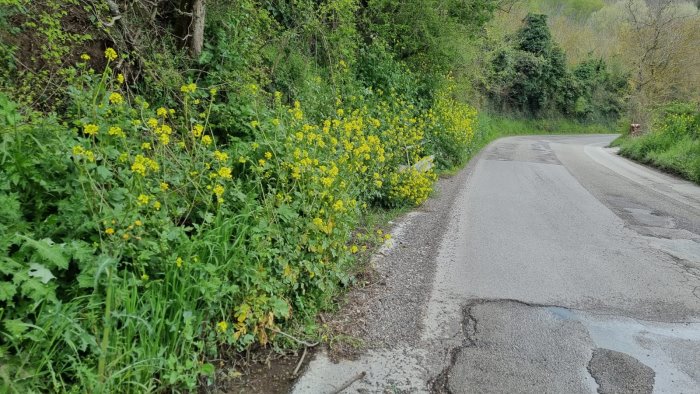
x,y
562,268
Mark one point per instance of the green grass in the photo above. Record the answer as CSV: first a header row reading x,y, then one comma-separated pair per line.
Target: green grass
x,y
496,126
673,144
680,156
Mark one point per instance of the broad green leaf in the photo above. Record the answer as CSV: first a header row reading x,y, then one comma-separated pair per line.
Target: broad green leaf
x,y
280,308
40,272
48,250
207,369
287,213
7,291
16,327
103,172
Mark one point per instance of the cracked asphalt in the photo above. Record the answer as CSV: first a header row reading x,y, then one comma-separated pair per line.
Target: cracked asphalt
x,y
549,265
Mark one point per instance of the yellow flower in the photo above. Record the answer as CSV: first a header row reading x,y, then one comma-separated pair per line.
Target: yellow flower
x,y
197,130
162,112
220,156
189,88
206,140
146,146
79,151
338,206
90,129
178,262
138,223
225,172
222,326
143,199
143,164
164,186
109,231
116,98
219,192
120,78
116,131
354,249
268,155
85,57
261,162
110,54
254,124
213,91
152,123
297,112
156,205
126,236
144,277
164,139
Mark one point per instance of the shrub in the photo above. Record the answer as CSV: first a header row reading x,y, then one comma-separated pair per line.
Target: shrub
x,y
451,133
138,243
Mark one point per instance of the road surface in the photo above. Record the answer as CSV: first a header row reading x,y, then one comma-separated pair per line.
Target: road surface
x,y
549,265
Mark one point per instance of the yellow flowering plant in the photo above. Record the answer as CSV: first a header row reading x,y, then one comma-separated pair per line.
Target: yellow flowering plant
x,y
450,127
170,219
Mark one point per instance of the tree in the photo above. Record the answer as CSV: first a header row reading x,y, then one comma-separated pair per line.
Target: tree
x,y
531,77
192,17
661,46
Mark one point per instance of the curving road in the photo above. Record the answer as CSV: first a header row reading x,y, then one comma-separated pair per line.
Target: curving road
x,y
555,266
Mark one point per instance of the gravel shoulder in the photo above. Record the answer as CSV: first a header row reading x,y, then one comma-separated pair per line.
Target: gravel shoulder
x,y
386,318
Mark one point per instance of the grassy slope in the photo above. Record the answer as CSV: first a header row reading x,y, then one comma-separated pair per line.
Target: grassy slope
x,y
680,156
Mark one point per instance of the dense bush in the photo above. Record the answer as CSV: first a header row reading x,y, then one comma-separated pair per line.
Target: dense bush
x,y
137,243
598,94
673,143
530,77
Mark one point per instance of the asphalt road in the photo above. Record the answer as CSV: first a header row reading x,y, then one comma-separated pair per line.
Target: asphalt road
x,y
552,266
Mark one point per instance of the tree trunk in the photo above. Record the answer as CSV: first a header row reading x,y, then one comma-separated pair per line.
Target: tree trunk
x,y
198,18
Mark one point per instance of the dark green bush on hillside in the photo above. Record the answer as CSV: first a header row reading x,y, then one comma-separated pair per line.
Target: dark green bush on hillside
x,y
598,93
530,77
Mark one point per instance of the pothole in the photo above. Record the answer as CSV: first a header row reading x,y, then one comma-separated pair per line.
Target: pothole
x,y
619,373
509,345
